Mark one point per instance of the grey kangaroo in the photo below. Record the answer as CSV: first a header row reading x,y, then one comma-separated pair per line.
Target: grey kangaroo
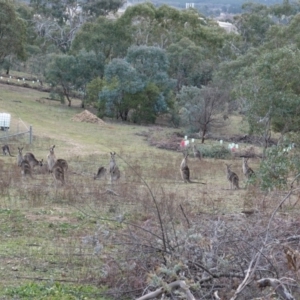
x,y
6,150
113,168
232,177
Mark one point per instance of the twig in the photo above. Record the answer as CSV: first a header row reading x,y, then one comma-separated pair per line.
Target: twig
x,y
254,262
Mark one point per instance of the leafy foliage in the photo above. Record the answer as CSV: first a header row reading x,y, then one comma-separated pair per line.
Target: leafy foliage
x,y
12,32
139,83
69,72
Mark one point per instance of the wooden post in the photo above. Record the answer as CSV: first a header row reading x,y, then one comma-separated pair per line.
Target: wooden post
x,y
30,134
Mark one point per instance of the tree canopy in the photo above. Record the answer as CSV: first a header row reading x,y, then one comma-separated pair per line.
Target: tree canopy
x,y
12,32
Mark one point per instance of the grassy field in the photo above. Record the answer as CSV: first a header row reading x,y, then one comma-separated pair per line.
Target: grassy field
x,y
50,234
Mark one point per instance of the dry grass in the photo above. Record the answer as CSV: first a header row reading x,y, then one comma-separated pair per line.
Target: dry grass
x,y
48,230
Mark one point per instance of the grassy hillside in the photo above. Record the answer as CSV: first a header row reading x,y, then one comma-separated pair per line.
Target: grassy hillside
x,y
66,239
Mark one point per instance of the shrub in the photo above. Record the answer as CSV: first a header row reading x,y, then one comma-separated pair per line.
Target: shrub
x,y
219,152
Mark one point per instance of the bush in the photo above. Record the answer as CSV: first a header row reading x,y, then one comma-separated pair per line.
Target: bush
x,y
219,152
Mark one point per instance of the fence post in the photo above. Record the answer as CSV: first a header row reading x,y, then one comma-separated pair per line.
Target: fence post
x,y
30,134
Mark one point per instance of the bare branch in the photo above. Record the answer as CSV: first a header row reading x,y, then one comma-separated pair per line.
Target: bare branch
x,y
176,284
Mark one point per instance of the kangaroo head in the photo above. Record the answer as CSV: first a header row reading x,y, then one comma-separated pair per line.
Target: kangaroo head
x,y
52,149
41,162
20,150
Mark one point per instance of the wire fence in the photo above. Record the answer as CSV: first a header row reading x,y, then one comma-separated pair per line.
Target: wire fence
x,y
18,129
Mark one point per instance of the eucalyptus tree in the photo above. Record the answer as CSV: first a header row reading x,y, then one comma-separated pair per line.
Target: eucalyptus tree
x,y
199,108
58,21
107,36
70,73
254,23
12,32
139,83
122,80
186,64
161,26
270,91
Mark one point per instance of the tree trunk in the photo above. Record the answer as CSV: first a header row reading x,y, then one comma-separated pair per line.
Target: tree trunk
x,y
204,130
67,96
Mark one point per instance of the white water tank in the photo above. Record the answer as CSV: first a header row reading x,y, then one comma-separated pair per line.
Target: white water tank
x,y
4,121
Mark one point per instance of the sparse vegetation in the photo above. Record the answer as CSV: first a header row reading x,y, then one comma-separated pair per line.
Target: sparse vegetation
x,y
156,225
142,232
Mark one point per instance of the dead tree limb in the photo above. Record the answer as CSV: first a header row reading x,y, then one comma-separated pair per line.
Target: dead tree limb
x,y
176,284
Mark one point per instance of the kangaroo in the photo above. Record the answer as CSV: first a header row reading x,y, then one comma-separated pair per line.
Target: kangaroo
x,y
248,172
20,156
58,173
42,168
26,168
184,169
101,173
63,163
197,153
51,158
232,177
6,150
32,160
113,168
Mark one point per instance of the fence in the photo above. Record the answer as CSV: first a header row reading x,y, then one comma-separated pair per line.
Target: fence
x,y
17,130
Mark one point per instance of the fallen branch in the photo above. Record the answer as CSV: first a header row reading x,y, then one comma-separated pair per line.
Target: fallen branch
x,y
176,284
278,287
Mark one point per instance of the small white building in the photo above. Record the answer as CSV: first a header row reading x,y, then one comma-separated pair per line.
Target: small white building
x,y
228,27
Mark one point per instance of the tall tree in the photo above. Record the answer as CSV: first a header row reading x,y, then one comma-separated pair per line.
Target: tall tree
x,y
105,36
140,83
72,73
199,108
58,21
270,91
122,80
12,32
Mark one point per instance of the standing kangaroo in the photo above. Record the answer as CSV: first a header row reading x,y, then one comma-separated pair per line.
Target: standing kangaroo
x,y
113,168
247,171
32,160
26,168
184,169
197,153
58,173
6,150
20,156
51,158
232,177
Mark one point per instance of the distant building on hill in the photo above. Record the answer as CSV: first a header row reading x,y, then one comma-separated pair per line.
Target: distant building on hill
x,y
228,26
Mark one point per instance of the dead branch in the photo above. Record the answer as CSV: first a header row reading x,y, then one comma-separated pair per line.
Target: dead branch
x,y
176,284
278,287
